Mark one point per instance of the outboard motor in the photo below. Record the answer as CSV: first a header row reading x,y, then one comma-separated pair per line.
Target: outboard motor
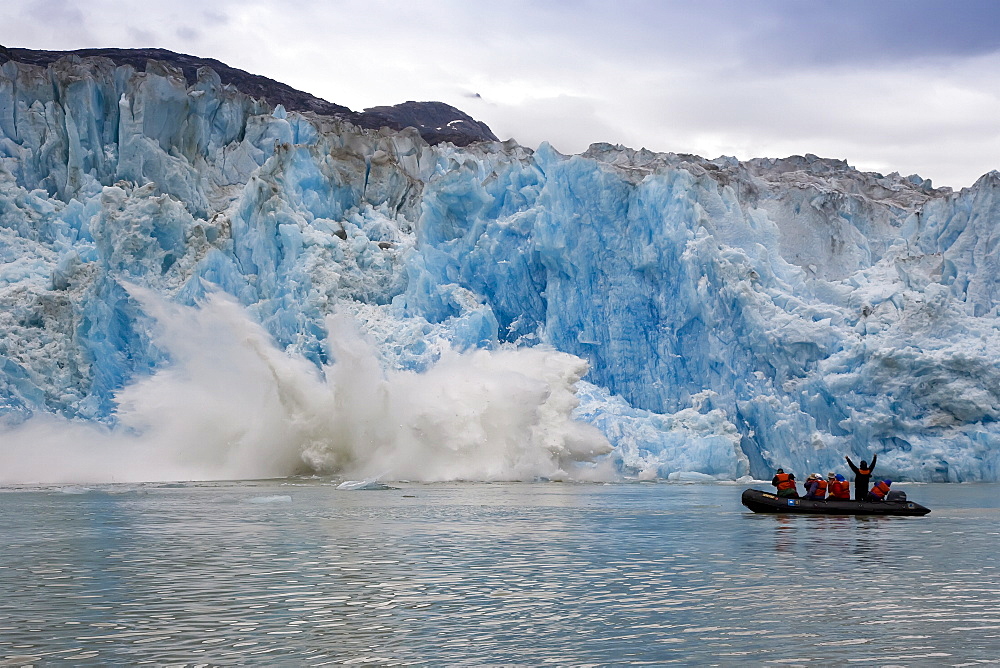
x,y
896,495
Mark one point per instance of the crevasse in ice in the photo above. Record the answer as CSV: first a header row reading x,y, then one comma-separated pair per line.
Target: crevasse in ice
x,y
736,316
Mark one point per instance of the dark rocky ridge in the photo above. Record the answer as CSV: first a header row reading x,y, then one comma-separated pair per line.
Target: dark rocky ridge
x,y
437,122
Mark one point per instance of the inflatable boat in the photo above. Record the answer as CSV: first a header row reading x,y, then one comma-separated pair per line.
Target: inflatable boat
x,y
766,502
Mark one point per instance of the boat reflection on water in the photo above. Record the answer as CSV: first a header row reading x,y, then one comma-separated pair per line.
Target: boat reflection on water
x,y
856,535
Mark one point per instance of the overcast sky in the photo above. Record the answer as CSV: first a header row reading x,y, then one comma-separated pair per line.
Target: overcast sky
x,y
889,85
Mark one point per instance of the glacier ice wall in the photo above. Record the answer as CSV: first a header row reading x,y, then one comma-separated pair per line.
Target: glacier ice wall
x,y
736,316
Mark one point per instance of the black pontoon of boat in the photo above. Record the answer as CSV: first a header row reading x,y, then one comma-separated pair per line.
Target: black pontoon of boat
x,y
765,502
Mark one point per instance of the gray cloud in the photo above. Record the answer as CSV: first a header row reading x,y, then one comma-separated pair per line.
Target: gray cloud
x,y
188,34
886,30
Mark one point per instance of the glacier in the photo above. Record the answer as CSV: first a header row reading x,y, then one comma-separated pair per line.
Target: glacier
x,y
194,283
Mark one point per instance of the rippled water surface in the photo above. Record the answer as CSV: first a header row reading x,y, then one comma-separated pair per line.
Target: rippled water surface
x,y
301,573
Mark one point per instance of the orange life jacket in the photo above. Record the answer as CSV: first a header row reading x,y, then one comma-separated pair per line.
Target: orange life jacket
x,y
864,471
784,481
880,489
821,489
840,489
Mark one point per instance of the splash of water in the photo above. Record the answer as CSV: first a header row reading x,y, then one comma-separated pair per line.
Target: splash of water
x,y
231,405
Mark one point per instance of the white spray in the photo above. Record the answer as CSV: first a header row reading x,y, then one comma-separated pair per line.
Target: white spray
x,y
231,405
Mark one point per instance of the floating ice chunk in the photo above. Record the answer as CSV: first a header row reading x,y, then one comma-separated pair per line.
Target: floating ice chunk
x,y
74,489
690,476
358,485
276,498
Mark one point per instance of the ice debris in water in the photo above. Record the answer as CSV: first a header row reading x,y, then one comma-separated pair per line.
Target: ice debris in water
x,y
276,498
74,489
734,316
368,484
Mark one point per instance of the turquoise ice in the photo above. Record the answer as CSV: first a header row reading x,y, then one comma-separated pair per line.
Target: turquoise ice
x,y
735,316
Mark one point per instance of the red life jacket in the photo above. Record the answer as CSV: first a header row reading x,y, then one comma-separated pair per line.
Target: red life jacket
x,y
840,489
784,481
864,471
820,492
880,489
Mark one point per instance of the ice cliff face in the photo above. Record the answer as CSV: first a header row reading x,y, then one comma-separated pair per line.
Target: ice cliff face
x,y
736,316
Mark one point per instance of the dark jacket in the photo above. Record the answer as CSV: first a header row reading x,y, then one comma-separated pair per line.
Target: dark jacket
x,y
861,478
785,482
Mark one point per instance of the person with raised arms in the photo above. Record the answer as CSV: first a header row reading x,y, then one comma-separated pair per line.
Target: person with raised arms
x,y
862,476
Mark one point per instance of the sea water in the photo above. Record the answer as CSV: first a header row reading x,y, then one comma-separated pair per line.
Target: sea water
x,y
299,572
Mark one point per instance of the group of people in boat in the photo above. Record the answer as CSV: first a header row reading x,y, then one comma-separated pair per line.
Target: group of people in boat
x,y
835,487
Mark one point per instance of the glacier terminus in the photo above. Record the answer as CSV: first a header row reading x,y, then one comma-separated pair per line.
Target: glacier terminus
x,y
195,283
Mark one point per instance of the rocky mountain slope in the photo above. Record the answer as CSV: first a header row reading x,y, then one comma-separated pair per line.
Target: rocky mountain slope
x,y
437,122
